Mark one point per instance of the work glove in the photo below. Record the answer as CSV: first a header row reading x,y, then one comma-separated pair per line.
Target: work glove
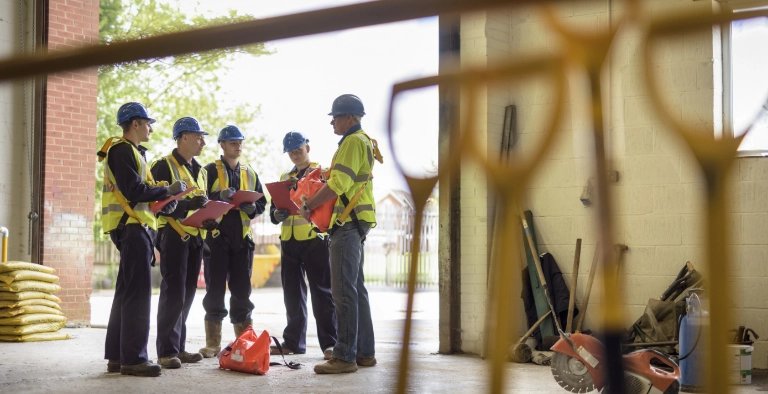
x,y
176,188
226,194
248,208
197,202
210,224
281,214
168,209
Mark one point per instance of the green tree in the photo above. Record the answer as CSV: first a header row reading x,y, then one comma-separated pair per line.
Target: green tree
x,y
172,87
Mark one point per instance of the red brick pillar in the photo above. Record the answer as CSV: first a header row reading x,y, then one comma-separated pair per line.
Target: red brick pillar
x,y
69,164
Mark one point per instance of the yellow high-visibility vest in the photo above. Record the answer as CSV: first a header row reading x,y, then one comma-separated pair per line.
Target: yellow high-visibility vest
x,y
351,173
114,203
180,172
295,225
248,180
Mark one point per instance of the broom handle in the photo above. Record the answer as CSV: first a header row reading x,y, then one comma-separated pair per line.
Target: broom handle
x,y
588,290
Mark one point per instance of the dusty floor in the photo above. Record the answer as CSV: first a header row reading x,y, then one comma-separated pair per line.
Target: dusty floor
x,y
76,366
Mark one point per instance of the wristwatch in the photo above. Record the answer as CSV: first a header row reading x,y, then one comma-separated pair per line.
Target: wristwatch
x,y
305,207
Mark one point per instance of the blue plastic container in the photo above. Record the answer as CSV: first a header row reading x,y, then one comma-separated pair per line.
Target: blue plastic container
x,y
692,340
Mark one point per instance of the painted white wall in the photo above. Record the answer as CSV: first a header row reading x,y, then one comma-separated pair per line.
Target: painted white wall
x,y
14,178
659,195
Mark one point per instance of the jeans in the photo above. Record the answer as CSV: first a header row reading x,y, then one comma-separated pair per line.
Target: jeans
x,y
353,311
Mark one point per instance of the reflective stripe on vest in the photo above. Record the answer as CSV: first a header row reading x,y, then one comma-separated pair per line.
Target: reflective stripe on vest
x,y
248,179
295,226
111,209
180,172
365,208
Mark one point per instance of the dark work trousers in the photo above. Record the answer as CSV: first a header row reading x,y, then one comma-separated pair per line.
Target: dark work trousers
x,y
179,267
128,329
311,258
231,262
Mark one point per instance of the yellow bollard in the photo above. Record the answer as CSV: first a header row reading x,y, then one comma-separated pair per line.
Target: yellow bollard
x,y
4,234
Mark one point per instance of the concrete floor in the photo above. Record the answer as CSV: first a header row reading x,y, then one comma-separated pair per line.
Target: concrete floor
x,y
77,365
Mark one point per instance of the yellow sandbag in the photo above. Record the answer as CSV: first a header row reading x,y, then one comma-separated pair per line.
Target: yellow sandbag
x,y
31,328
30,285
41,336
34,301
15,276
30,309
20,265
27,295
34,318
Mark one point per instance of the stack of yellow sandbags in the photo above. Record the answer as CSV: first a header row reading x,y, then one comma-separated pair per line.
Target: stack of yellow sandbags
x,y
29,311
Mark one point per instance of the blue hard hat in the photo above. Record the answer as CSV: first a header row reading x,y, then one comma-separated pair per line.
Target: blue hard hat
x,y
347,104
293,140
230,133
188,124
132,110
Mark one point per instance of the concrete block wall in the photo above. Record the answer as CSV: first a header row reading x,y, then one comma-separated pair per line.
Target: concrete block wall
x,y
14,179
70,164
659,195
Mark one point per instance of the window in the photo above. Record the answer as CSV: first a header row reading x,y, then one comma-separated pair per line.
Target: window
x,y
745,74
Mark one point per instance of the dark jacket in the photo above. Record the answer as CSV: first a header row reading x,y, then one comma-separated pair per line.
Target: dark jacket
x,y
558,291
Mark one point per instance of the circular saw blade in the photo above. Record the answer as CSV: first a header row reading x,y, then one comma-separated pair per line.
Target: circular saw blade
x,y
571,374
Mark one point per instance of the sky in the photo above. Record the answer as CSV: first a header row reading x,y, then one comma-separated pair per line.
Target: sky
x,y
297,85
750,79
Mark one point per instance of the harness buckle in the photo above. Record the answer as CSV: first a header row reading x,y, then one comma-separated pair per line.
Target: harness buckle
x,y
215,233
185,238
339,222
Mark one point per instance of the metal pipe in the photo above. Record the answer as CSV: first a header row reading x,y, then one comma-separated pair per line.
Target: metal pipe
x,y
4,235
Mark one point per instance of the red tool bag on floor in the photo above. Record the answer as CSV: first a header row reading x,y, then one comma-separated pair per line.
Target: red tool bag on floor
x,y
309,186
249,353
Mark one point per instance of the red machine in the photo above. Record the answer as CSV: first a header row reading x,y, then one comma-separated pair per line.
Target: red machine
x,y
579,367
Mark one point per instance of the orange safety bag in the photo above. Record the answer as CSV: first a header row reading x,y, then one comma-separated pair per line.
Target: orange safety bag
x,y
309,186
249,353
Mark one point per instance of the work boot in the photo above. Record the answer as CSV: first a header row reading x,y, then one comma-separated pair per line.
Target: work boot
x,y
212,339
334,365
113,366
240,327
171,362
187,357
146,368
365,361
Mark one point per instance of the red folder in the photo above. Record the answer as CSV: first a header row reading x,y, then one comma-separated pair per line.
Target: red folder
x,y
245,196
156,207
211,211
281,196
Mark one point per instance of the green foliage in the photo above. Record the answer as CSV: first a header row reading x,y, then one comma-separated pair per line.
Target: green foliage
x,y
172,87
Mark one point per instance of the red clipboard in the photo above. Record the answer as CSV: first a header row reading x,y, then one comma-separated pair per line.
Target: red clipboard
x,y
211,211
281,196
245,197
156,207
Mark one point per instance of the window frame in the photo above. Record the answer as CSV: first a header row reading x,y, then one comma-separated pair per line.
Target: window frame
x,y
727,69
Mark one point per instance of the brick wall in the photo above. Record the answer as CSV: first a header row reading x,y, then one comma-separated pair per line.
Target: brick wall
x,y
69,158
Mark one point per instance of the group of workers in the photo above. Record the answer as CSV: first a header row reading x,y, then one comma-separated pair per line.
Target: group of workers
x,y
331,262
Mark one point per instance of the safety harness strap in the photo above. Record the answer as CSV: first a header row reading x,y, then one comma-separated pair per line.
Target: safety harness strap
x,y
350,205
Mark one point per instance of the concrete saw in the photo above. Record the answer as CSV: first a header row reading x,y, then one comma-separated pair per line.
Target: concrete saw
x,y
578,366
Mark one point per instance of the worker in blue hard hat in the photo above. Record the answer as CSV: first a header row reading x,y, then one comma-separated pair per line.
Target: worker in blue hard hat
x,y
230,240
181,247
354,215
131,225
303,253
